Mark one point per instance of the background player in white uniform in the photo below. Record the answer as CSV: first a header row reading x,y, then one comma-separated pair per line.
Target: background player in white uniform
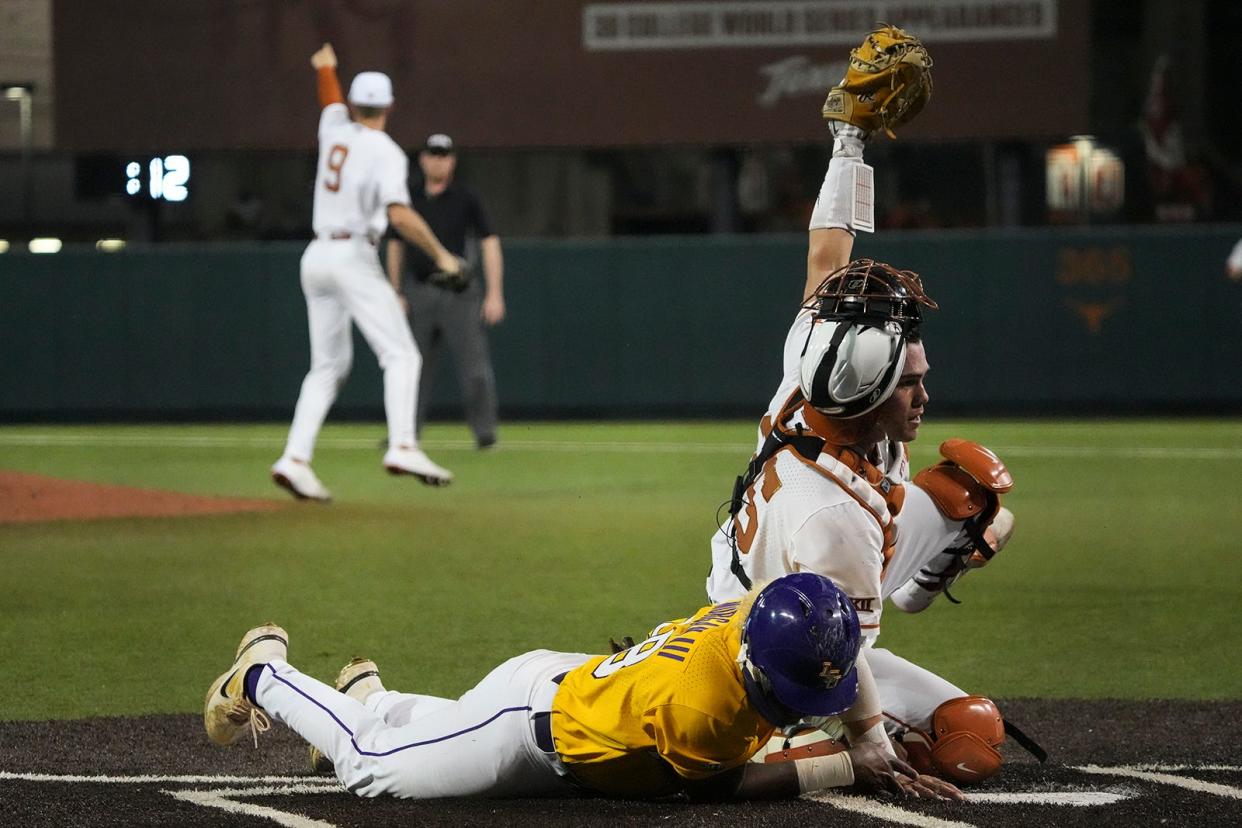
x,y
681,711
827,494
360,188
1233,265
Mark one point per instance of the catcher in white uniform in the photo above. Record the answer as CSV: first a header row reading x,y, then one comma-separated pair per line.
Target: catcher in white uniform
x,y
360,188
828,489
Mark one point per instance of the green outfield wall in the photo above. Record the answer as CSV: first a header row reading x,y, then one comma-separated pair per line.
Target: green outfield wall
x,y
1108,319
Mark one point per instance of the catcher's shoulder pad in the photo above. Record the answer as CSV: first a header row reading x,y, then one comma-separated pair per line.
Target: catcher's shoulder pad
x,y
967,732
968,483
956,494
981,463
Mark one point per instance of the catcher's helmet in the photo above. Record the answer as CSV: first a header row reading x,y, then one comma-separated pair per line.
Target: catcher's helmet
x,y
866,312
800,642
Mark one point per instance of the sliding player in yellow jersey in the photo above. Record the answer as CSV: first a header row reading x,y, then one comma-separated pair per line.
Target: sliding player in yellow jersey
x,y
680,712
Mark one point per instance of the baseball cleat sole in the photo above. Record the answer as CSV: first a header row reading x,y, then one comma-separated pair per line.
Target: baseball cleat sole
x,y
430,480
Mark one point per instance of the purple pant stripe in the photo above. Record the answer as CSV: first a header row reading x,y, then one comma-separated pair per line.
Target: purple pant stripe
x,y
362,752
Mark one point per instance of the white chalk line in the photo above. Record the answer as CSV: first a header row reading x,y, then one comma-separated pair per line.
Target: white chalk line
x,y
884,811
1175,768
220,799
896,814
1077,799
149,779
1187,782
189,441
256,786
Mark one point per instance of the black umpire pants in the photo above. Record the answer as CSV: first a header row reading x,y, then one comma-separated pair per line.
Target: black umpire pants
x,y
439,317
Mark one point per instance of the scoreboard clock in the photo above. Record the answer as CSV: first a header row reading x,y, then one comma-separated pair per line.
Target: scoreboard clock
x,y
142,177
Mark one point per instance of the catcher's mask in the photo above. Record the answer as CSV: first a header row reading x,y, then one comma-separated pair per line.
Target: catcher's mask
x,y
799,645
865,314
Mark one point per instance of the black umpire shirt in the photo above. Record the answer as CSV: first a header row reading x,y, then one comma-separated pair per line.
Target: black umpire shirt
x,y
454,215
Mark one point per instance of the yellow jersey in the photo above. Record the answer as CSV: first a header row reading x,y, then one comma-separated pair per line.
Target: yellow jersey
x,y
672,708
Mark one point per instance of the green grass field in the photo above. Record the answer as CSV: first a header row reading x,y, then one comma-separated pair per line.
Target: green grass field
x,y
1123,579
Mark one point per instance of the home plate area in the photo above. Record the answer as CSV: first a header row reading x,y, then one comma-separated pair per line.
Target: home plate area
x,y
1111,763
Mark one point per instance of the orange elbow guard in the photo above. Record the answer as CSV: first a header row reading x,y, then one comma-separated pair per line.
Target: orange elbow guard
x,y
968,483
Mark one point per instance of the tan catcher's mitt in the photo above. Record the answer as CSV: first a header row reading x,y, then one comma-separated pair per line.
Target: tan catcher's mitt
x,y
887,83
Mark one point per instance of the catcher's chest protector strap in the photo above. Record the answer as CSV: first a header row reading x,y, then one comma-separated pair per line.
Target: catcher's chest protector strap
x,y
806,444
809,446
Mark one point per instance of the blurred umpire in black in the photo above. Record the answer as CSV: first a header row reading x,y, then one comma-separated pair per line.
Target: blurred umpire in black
x,y
452,311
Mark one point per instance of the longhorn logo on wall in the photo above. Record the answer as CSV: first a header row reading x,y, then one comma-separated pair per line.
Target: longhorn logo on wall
x,y
1095,280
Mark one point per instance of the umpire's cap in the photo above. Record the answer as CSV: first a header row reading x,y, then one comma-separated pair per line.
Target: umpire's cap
x,y
439,144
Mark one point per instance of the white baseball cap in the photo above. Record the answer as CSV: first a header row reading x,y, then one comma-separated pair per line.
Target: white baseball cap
x,y
371,89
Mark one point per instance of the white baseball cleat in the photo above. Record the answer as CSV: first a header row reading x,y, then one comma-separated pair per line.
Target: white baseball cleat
x,y
226,711
358,679
413,461
297,478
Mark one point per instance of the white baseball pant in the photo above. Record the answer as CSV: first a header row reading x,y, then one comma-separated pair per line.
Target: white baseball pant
x,y
909,694
343,282
424,747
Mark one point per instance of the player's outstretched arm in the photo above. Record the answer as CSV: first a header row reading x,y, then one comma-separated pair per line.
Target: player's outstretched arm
x,y
828,249
867,768
844,206
887,83
324,62
412,226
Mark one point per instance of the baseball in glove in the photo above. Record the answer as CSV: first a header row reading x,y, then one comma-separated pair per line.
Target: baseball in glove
x,y
456,281
887,83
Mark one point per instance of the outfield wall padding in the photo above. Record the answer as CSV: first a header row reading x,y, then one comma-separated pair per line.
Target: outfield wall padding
x,y
1111,319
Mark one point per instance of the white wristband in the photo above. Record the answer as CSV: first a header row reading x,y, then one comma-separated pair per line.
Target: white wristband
x,y
824,772
847,196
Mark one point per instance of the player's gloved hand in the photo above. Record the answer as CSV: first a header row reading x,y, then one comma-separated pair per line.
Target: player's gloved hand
x,y
615,647
887,83
448,263
454,274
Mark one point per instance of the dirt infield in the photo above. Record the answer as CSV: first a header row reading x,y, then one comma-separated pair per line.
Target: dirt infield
x,y
33,498
1111,763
